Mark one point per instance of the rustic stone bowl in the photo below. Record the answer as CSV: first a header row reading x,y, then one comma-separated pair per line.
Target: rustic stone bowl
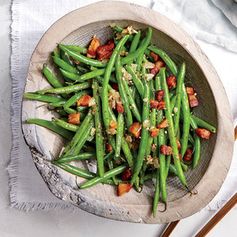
x,y
77,27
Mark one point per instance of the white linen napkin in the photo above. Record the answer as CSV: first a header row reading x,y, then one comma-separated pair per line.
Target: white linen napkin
x,y
27,189
229,9
203,20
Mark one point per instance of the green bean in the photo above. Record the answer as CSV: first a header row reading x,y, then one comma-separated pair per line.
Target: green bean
x,y
52,79
197,151
154,150
86,76
161,141
135,42
99,72
171,133
76,48
81,58
167,167
63,124
111,166
128,59
140,56
172,102
137,82
98,126
184,166
108,70
186,120
180,81
111,182
66,108
152,120
127,152
152,124
70,75
107,175
81,130
196,144
62,64
138,101
51,126
140,50
81,172
92,74
144,44
76,170
71,111
202,123
67,89
73,100
133,92
119,134
124,98
82,156
80,143
57,104
42,98
157,194
111,114
150,139
144,133
131,101
164,56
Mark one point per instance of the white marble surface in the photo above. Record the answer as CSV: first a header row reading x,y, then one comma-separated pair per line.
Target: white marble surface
x,y
15,223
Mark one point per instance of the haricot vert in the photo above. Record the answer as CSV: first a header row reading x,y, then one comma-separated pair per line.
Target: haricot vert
x,y
126,106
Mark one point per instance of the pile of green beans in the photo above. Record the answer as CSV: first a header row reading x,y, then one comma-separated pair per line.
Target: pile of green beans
x,y
120,127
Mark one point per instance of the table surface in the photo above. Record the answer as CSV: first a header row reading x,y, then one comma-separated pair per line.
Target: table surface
x,y
62,222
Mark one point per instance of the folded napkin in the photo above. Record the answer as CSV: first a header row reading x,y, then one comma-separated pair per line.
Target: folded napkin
x,y
27,189
203,20
229,9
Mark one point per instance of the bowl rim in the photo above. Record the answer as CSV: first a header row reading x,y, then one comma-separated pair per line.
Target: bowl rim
x,y
116,10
